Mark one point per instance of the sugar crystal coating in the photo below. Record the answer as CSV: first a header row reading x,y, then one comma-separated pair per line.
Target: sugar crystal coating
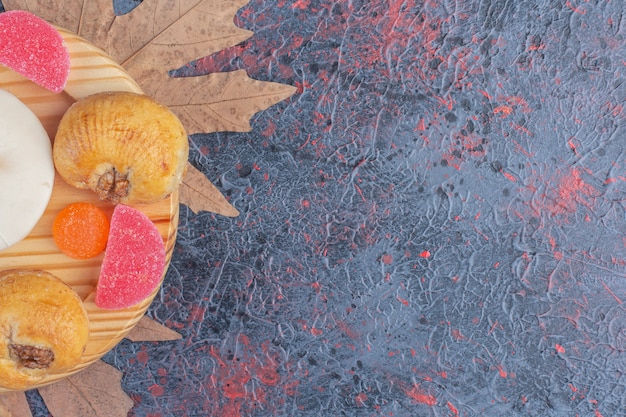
x,y
34,48
134,260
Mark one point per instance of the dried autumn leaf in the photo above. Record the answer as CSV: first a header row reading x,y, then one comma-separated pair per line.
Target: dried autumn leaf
x,y
224,101
205,104
198,193
148,330
70,19
94,392
199,29
14,404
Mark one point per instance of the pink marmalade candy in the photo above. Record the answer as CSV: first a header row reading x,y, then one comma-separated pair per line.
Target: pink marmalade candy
x,y
34,48
134,260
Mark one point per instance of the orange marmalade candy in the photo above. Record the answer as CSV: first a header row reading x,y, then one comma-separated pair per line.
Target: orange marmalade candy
x,y
81,230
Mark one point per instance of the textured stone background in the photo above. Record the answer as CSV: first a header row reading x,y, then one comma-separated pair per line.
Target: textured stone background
x,y
433,225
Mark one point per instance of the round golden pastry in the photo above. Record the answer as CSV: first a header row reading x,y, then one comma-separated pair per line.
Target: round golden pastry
x,y
126,147
43,327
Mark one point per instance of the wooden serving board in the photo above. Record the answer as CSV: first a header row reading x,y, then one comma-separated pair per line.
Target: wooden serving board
x,y
91,71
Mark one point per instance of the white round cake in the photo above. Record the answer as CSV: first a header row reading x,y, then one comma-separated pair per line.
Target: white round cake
x,y
26,170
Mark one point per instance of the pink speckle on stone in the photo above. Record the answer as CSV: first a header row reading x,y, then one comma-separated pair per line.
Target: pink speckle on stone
x,y
34,48
134,260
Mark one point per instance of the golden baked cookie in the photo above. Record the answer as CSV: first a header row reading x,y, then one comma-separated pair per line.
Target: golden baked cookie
x,y
124,146
43,327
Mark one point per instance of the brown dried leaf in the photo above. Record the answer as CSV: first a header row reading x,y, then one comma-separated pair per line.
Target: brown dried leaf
x,y
198,193
69,14
148,330
14,404
224,101
192,30
93,392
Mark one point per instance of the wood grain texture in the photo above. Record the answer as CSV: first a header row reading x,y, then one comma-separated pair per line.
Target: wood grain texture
x,y
92,71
